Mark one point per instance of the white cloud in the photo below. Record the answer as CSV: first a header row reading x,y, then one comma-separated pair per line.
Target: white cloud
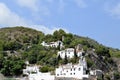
x,y
113,10
9,18
36,6
31,4
80,3
47,30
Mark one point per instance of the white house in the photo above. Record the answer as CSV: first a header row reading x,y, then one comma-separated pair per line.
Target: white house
x,y
34,74
69,52
77,71
56,44
30,70
80,53
96,72
53,44
44,44
41,76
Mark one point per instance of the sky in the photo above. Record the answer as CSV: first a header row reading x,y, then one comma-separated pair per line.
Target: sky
x,y
96,19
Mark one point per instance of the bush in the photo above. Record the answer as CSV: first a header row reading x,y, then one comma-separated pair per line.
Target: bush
x,y
89,62
102,51
44,69
117,76
11,67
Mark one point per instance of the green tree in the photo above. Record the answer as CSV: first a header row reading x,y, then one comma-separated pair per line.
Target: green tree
x,y
1,46
48,38
102,51
32,58
17,67
13,66
65,60
7,68
90,63
1,61
12,45
117,75
57,35
67,41
59,58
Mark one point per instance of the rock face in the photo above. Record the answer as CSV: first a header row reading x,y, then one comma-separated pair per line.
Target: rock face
x,y
2,77
117,60
100,62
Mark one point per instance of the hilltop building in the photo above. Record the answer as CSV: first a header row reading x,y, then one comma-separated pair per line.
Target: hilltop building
x,y
96,73
70,53
77,71
33,73
79,48
53,44
30,70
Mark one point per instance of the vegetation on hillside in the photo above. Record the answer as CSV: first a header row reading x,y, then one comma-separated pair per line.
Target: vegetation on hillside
x,y
20,44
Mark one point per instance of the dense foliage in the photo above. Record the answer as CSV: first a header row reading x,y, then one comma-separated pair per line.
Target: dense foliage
x,y
12,66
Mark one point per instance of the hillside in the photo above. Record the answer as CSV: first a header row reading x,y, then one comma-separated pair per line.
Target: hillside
x,y
20,36
19,44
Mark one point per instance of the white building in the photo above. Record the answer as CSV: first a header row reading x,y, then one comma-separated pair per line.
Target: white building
x,y
56,44
41,76
96,72
77,71
30,70
34,74
69,52
53,44
45,44
80,53
79,50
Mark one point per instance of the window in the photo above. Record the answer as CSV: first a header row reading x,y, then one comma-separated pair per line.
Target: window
x,y
74,69
60,72
57,74
71,69
70,73
79,69
68,56
74,73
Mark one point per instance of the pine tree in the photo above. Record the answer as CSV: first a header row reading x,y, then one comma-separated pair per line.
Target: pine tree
x,y
58,59
65,60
